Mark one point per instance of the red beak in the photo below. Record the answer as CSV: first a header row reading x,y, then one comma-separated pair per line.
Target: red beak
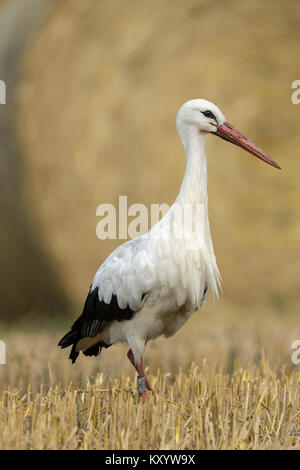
x,y
228,132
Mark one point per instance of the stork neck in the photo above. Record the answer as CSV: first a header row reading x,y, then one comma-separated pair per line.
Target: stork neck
x,y
194,185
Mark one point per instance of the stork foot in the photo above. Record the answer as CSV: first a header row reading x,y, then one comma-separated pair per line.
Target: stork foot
x,y
143,398
149,387
142,381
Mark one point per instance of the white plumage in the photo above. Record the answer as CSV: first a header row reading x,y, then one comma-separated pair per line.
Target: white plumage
x,y
172,273
151,285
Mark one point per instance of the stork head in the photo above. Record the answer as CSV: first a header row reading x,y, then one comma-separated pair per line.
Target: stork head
x,y
204,117
198,116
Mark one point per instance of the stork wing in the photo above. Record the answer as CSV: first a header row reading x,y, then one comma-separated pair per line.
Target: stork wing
x,y
118,290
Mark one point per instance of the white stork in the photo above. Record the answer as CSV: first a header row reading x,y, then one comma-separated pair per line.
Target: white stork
x,y
151,285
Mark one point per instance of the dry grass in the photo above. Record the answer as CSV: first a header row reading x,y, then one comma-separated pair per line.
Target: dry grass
x,y
237,389
204,409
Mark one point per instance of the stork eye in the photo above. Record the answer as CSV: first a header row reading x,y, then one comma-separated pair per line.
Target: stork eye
x,y
209,114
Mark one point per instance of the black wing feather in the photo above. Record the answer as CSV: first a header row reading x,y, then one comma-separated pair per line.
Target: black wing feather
x,y
95,316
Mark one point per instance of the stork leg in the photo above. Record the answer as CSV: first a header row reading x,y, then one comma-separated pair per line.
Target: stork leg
x,y
140,370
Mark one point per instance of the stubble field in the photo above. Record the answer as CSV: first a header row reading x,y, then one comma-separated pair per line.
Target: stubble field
x,y
221,383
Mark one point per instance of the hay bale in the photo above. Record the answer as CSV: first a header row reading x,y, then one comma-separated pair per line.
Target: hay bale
x,y
101,86
28,279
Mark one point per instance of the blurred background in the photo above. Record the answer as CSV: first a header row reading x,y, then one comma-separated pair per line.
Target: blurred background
x,y
93,88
